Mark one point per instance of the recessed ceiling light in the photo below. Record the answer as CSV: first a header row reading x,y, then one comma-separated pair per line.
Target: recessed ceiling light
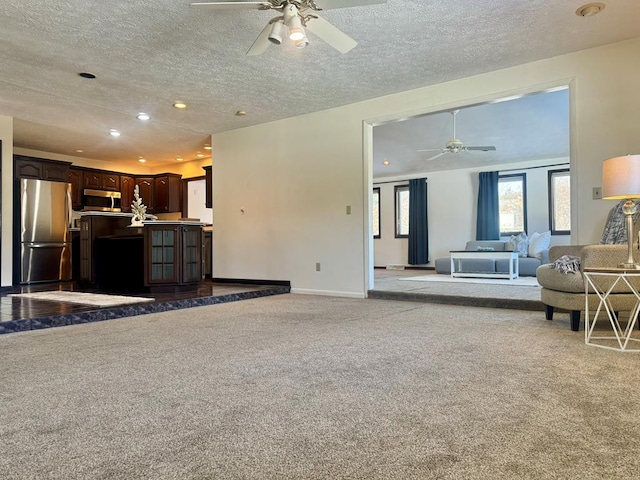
x,y
114,133
590,9
199,154
142,160
241,113
87,75
143,116
79,151
179,104
207,147
386,162
179,159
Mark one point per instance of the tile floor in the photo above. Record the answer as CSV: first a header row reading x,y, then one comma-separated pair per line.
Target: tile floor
x,y
20,314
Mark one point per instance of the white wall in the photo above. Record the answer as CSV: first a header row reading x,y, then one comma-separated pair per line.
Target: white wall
x,y
294,187
196,198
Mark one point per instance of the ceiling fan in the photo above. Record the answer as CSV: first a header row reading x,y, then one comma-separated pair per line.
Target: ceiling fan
x,y
455,145
296,16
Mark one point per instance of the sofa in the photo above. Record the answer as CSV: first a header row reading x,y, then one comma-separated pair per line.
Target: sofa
x,y
526,265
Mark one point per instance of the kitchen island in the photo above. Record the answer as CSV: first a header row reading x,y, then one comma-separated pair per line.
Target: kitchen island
x,y
160,256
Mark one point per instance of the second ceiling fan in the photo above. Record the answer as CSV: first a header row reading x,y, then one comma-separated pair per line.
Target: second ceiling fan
x,y
456,145
296,16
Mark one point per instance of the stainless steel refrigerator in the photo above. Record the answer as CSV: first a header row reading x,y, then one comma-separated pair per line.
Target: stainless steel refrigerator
x,y
45,243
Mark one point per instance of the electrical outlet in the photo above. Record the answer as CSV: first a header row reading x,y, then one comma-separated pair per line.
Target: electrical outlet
x,y
348,209
597,193
318,267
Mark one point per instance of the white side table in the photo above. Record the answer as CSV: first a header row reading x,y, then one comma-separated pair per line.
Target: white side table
x,y
622,338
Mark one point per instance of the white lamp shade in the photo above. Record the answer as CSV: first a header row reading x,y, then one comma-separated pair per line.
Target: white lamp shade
x,y
621,178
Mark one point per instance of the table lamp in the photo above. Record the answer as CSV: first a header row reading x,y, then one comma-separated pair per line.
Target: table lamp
x,y
621,181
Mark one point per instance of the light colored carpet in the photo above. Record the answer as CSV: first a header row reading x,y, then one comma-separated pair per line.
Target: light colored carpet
x,y
96,299
441,278
307,387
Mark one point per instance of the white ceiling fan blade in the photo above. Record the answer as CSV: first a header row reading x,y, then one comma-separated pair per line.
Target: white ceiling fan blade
x,y
431,150
483,149
330,34
328,4
238,4
262,42
436,156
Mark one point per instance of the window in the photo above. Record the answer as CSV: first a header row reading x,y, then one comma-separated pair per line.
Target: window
x,y
376,212
560,202
512,194
402,210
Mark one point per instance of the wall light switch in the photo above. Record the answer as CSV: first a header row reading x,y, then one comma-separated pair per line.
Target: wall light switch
x,y
348,209
597,193
318,267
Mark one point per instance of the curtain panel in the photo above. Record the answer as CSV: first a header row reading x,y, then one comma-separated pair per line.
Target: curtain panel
x,y
418,229
488,215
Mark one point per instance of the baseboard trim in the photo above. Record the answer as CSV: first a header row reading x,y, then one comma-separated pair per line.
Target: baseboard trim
x,y
249,281
327,293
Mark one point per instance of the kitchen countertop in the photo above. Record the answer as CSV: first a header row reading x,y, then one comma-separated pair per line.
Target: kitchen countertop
x,y
150,220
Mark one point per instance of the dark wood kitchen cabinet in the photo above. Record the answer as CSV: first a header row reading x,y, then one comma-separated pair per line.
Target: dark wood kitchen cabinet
x,y
75,179
127,184
173,254
146,187
168,193
40,168
99,180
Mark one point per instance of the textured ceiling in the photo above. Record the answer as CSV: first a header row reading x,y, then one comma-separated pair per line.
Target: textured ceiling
x,y
148,53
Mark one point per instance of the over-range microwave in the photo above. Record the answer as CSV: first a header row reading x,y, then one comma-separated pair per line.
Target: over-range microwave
x,y
101,200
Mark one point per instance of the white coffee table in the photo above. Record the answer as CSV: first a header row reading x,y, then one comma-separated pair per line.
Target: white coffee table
x,y
458,255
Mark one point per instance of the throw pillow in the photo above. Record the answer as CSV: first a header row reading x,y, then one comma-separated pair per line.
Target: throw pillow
x,y
519,243
539,242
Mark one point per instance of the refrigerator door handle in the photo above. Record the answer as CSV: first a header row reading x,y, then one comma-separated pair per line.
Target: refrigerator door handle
x,y
45,245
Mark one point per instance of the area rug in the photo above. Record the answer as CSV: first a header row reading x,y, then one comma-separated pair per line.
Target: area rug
x,y
434,277
95,299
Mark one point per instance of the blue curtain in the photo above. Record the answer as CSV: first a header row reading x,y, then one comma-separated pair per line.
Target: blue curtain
x,y
418,230
488,217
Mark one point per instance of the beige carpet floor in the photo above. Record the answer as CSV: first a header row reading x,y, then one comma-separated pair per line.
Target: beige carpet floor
x,y
302,387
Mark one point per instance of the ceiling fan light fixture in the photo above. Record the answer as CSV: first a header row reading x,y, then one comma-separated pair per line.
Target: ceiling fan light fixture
x,y
277,31
296,32
303,42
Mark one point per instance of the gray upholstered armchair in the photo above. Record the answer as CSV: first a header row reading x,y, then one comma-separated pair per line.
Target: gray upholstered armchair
x,y
566,291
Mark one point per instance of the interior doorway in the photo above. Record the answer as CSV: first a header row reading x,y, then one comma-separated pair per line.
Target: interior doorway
x,y
194,205
527,131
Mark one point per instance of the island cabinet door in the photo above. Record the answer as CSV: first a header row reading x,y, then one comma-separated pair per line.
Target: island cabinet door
x,y
191,254
86,251
163,254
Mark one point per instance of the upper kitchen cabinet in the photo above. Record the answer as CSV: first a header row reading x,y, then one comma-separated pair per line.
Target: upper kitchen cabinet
x,y
75,179
168,193
40,168
127,184
100,180
146,191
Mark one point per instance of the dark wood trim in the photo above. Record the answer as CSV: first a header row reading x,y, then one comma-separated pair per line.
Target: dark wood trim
x,y
550,200
395,209
245,281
